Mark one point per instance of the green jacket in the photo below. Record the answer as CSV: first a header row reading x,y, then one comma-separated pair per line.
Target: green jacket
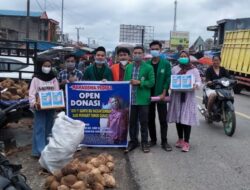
x,y
163,76
91,73
147,79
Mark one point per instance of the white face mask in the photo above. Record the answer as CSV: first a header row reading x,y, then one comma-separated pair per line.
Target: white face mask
x,y
46,70
124,62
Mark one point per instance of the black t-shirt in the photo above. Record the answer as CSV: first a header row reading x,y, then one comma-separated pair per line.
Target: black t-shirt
x,y
155,66
211,75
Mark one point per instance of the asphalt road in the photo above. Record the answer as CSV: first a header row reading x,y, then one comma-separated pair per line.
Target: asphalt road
x,y
215,161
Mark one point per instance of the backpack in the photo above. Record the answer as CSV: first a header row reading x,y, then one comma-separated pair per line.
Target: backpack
x,y
10,176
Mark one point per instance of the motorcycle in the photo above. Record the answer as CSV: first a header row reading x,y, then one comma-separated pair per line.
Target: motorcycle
x,y
223,107
13,111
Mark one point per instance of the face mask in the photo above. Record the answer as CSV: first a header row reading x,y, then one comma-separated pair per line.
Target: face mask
x,y
137,58
100,62
71,65
183,60
46,70
155,53
124,62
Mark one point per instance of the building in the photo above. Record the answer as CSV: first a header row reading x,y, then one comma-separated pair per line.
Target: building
x,y
13,26
199,45
227,25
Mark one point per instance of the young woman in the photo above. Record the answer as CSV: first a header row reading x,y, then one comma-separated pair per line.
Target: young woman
x,y
43,80
183,106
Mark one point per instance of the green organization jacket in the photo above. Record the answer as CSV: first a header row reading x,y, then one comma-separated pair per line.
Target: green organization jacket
x,y
90,74
163,76
147,79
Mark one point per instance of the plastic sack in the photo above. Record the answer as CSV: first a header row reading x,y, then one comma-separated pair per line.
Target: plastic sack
x,y
67,134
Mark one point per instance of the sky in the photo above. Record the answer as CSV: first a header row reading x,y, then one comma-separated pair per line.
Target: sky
x,y
101,19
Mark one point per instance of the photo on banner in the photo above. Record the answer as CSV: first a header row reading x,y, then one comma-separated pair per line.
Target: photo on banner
x,y
104,108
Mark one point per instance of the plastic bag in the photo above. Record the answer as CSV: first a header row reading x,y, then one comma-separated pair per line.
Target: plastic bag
x,y
67,134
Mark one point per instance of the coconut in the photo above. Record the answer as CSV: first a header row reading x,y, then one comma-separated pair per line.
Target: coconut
x,y
88,158
110,158
58,175
15,97
54,185
79,185
69,169
63,187
104,169
110,165
83,176
98,178
102,159
90,166
48,181
97,186
68,180
82,167
109,180
95,162
20,92
12,90
95,171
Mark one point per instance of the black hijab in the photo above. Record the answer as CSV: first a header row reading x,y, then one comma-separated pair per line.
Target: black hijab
x,y
38,72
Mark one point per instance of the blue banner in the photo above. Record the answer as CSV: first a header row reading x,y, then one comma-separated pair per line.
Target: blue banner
x,y
104,108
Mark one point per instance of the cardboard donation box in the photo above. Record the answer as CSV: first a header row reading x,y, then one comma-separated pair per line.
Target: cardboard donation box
x,y
51,99
182,82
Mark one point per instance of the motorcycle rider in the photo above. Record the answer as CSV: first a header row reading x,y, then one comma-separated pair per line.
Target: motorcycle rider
x,y
212,73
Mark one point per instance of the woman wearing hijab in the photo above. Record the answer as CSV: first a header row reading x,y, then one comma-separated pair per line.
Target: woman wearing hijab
x,y
43,80
183,106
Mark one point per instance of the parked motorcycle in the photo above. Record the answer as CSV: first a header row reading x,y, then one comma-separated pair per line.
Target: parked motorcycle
x,y
13,111
223,108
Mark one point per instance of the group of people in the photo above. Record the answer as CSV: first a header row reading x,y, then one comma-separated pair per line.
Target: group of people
x,y
147,78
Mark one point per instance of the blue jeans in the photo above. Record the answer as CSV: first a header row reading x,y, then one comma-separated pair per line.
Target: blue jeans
x,y
43,123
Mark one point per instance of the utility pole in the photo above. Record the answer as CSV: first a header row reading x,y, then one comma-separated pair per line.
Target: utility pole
x,y
62,21
78,33
28,20
45,6
175,13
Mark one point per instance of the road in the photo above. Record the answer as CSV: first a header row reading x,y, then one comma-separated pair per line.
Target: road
x,y
215,161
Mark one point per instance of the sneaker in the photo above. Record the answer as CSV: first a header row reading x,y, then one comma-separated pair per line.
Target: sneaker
x,y
131,146
152,143
179,143
145,148
167,147
185,147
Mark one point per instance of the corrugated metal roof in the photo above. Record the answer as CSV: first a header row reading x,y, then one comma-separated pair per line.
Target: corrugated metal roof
x,y
19,13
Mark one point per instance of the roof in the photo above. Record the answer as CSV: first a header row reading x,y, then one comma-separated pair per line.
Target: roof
x,y
20,13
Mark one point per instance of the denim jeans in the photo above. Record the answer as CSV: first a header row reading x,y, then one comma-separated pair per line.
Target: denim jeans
x,y
43,123
140,113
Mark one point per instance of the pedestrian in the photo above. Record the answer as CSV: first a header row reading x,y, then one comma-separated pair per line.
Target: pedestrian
x,y
118,69
142,79
43,80
162,71
99,71
70,73
183,106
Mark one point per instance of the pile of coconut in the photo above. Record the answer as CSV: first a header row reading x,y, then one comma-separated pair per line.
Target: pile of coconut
x,y
15,90
90,173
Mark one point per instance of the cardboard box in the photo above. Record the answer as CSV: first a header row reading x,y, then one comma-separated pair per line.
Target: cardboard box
x,y
51,99
182,82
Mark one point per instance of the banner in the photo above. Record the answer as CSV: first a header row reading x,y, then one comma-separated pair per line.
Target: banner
x,y
104,108
179,38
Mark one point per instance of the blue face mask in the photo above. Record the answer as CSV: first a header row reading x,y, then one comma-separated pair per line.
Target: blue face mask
x,y
183,60
155,53
100,62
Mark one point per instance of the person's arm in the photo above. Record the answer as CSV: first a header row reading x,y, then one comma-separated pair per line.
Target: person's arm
x,y
33,93
56,84
151,79
197,79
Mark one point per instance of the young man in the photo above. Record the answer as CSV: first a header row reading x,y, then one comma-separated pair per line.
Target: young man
x,y
141,76
70,74
162,71
99,70
118,69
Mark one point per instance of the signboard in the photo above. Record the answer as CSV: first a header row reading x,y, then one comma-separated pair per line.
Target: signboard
x,y
104,108
51,99
182,82
178,38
